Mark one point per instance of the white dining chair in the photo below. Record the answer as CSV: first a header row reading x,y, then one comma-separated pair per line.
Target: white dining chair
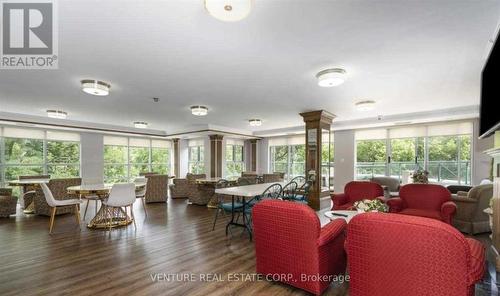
x,y
120,196
142,193
91,197
54,204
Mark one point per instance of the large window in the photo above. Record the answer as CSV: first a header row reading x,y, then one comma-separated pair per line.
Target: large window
x,y
443,150
126,158
196,163
234,158
37,152
288,156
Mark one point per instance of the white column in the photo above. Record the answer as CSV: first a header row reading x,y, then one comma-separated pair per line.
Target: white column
x,y
345,155
92,157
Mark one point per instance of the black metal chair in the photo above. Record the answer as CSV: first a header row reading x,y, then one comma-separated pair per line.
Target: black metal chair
x,y
300,180
224,206
289,191
302,194
271,192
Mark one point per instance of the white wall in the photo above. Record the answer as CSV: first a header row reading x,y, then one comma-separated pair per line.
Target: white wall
x,y
92,157
183,158
481,163
344,155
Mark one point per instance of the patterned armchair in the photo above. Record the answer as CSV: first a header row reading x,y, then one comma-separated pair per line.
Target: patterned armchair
x,y
470,217
198,194
392,185
58,187
272,178
156,188
8,203
283,247
29,192
355,191
179,188
425,200
391,254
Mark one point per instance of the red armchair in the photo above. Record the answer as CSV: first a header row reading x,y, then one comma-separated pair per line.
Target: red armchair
x,y
391,254
355,191
425,200
289,241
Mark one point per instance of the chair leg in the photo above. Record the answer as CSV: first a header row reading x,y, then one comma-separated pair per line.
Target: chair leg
x,y
132,214
52,218
144,206
215,219
77,215
96,201
86,207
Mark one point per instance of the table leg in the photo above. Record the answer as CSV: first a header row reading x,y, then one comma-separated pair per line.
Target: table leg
x,y
30,209
232,215
118,218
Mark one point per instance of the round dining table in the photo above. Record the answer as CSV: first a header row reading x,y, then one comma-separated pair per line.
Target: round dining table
x,y
102,218
25,183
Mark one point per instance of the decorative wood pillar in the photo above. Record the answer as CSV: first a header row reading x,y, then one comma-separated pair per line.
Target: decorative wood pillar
x,y
317,123
216,156
177,157
253,155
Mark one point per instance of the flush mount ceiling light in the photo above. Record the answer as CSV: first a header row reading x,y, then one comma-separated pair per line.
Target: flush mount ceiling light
x,y
229,10
199,110
140,124
255,122
57,114
331,77
365,105
95,87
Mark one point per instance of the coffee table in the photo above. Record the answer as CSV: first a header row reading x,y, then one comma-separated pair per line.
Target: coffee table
x,y
346,215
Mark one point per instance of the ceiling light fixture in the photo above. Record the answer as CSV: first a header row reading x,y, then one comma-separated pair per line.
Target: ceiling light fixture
x,y
95,87
57,114
199,110
140,124
331,77
229,10
365,105
255,122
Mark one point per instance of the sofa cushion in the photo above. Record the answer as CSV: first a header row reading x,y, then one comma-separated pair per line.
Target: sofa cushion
x,y
422,213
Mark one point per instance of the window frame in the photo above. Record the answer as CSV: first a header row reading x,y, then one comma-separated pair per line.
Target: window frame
x,y
233,158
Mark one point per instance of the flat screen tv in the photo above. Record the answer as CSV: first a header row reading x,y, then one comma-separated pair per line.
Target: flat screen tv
x,y
490,93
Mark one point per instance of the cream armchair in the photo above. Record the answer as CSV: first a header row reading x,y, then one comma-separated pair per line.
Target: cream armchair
x,y
470,217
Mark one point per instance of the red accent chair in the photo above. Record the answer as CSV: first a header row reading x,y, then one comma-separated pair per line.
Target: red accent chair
x,y
425,200
355,191
391,254
289,241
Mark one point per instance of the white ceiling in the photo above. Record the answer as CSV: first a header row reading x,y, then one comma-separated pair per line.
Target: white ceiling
x,y
409,56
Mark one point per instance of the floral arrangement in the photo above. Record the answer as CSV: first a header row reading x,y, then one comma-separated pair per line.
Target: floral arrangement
x,y
420,176
367,205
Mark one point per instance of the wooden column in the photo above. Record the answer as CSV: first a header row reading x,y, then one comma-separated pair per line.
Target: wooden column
x,y
253,155
216,156
177,157
316,122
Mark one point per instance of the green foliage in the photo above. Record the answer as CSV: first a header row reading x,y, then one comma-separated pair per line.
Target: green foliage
x,y
371,151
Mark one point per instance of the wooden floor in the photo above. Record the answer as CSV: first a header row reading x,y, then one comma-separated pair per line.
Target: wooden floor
x,y
175,238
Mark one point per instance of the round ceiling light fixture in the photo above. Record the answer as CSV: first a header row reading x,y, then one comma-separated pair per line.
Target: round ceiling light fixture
x,y
140,124
365,105
57,114
95,87
199,110
255,122
331,77
229,10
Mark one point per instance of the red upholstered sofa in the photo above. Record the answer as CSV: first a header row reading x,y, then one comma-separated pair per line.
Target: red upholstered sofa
x,y
425,200
289,240
391,254
355,191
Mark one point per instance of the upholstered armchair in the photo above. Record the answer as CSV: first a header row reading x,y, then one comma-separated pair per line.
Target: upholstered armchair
x,y
28,192
391,254
272,178
289,240
356,191
8,203
425,200
389,184
58,187
197,193
470,217
179,188
156,188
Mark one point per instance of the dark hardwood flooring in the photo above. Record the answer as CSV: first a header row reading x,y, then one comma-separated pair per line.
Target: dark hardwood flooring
x,y
175,240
